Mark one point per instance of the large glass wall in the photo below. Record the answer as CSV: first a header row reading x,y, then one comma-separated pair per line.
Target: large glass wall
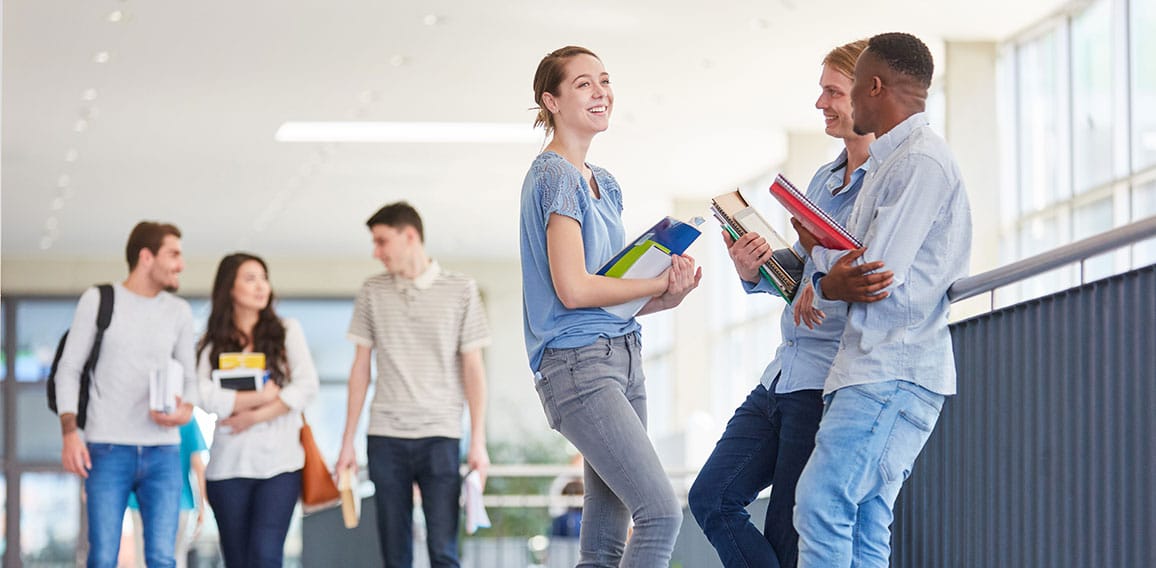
x,y
1084,141
1142,52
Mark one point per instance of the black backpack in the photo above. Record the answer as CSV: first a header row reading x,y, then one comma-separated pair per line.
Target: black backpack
x,y
103,317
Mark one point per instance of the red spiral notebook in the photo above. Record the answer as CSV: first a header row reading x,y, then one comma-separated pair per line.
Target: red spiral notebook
x,y
830,233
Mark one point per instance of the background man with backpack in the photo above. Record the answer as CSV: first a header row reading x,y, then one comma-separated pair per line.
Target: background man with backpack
x,y
127,447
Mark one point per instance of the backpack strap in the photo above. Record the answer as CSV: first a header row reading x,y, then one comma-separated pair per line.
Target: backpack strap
x,y
104,316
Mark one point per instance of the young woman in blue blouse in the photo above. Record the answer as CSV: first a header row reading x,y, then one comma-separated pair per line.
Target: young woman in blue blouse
x,y
587,362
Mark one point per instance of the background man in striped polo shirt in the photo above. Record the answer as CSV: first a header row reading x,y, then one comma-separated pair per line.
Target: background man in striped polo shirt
x,y
428,327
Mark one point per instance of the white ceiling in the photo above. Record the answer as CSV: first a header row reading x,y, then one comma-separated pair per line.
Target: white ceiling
x,y
181,126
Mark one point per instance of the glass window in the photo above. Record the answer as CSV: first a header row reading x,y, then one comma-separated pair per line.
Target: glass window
x,y
1041,123
1144,206
1092,97
49,518
1143,58
39,325
325,323
1091,219
200,308
1039,235
38,434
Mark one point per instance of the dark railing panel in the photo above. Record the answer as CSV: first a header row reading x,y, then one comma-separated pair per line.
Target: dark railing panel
x,y
1047,456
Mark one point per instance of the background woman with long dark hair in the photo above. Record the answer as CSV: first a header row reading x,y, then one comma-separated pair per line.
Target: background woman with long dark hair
x,y
254,471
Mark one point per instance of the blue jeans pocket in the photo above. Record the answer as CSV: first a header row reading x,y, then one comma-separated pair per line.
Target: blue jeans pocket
x,y
912,427
99,449
549,405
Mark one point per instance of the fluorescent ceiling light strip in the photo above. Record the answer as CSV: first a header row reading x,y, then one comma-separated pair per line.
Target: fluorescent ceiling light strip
x,y
409,132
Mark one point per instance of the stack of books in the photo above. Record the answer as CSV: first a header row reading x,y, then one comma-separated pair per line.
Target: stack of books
x,y
784,268
648,256
830,234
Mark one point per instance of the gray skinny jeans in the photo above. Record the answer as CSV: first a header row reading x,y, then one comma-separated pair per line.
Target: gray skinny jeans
x,y
595,396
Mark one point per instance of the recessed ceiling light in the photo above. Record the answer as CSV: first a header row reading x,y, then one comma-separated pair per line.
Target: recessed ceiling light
x,y
431,20
115,16
398,60
409,132
101,57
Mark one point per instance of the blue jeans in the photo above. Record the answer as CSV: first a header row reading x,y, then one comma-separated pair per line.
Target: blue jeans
x,y
595,396
253,517
395,464
868,440
154,474
766,443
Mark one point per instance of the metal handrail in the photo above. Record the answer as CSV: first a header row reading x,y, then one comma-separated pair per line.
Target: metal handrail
x,y
1055,258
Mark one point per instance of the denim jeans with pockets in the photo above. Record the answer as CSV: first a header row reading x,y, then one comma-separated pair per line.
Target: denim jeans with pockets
x,y
253,517
766,443
154,474
868,440
395,465
595,396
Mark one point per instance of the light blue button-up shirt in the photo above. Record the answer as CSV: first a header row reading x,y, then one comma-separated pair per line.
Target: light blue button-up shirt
x,y
912,214
804,357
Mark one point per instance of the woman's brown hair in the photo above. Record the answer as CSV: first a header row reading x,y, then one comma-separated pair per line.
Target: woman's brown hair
x,y
551,71
222,333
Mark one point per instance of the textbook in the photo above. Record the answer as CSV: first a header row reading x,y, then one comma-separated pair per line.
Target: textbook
x,y
165,385
226,361
240,371
648,256
784,268
830,233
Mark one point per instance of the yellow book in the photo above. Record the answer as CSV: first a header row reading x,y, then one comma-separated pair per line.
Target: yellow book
x,y
228,361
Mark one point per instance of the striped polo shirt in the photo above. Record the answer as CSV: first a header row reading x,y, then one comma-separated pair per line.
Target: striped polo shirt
x,y
418,328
